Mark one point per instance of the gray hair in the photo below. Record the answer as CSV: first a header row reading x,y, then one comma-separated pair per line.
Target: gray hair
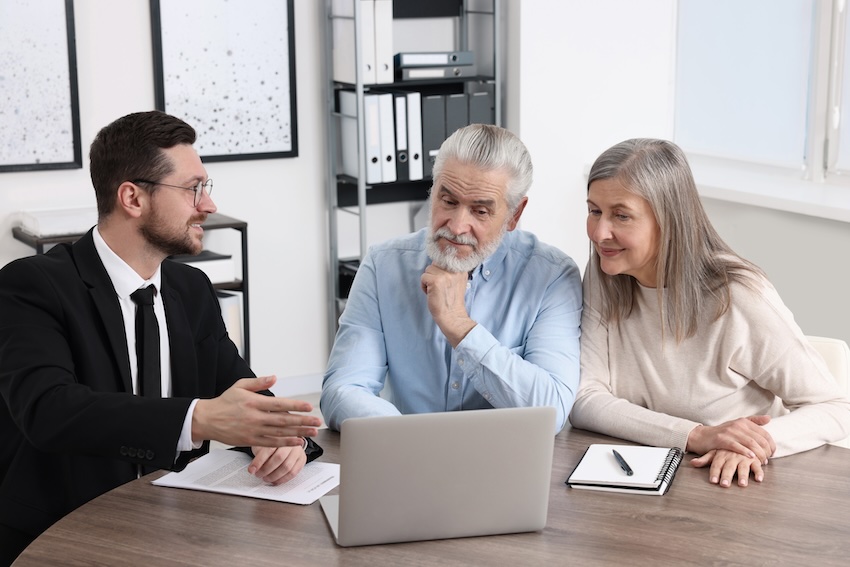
x,y
490,148
694,264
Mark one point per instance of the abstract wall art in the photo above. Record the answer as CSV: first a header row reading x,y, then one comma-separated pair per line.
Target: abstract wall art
x,y
227,67
39,104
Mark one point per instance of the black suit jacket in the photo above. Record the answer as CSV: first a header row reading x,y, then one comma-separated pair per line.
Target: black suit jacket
x,y
70,428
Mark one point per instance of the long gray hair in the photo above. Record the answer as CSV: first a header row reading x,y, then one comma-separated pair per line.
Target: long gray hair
x,y
490,148
694,264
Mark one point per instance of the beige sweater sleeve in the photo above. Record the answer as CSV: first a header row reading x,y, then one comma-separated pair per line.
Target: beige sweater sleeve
x,y
753,360
814,409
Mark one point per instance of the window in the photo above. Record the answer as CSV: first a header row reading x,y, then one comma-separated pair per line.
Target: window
x,y
760,81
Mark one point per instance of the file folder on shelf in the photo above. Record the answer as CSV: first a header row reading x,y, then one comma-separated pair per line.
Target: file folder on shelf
x,y
402,158
421,73
481,108
372,119
348,133
348,136
433,129
387,136
434,58
343,41
384,72
457,112
414,135
376,41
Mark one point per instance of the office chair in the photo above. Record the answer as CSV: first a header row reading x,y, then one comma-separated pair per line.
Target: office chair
x,y
836,353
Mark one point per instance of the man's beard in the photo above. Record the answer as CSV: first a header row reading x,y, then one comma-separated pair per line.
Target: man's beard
x,y
164,238
448,259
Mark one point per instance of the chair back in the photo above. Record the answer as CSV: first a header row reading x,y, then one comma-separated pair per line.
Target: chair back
x,y
836,353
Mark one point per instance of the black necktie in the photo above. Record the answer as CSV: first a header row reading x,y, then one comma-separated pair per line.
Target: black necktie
x,y
147,343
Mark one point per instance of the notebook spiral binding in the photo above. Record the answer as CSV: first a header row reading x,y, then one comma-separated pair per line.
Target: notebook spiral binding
x,y
671,465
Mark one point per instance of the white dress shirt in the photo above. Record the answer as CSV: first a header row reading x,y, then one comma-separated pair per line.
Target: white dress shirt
x,y
125,280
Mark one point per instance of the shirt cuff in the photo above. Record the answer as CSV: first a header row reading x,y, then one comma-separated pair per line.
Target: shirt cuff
x,y
477,342
185,443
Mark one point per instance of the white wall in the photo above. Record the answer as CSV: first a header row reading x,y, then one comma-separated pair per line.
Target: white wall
x,y
805,257
283,200
604,74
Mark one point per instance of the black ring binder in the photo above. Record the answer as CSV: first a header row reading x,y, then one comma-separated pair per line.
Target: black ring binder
x,y
671,465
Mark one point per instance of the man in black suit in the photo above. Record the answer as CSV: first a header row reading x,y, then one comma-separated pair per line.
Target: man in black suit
x,y
72,425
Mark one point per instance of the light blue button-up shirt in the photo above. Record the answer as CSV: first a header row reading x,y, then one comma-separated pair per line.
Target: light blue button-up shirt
x,y
524,351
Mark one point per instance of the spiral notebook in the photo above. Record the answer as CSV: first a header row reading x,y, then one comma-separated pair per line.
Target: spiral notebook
x,y
653,469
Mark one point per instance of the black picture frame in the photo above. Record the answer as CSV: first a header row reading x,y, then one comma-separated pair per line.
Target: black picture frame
x,y
228,69
39,103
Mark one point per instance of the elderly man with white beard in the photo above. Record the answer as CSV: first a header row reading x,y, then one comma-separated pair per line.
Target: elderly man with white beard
x,y
468,313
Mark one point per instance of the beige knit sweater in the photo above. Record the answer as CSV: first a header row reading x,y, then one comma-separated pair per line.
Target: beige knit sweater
x,y
753,360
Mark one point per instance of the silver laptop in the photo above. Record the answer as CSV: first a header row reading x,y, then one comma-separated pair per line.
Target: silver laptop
x,y
442,475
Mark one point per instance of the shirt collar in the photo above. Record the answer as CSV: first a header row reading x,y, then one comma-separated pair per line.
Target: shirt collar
x,y
125,280
489,267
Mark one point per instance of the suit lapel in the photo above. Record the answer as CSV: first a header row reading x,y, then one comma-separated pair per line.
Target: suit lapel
x,y
184,367
103,294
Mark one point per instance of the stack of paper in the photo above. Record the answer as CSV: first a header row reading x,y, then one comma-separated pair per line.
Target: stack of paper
x,y
58,222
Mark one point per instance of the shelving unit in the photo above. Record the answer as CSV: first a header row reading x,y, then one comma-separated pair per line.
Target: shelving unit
x,y
214,221
474,28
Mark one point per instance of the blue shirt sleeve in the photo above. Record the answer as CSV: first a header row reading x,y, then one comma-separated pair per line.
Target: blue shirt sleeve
x,y
544,370
357,366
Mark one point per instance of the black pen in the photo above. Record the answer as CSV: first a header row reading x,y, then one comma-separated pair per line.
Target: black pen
x,y
623,464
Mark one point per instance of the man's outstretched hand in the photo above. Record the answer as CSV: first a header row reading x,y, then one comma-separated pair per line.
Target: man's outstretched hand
x,y
243,417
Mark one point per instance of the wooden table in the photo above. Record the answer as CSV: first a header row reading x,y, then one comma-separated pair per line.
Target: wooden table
x,y
800,515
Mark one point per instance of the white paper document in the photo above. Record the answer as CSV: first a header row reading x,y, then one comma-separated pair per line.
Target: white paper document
x,y
226,471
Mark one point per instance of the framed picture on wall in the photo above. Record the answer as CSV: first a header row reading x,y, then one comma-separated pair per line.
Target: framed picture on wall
x,y
39,102
228,69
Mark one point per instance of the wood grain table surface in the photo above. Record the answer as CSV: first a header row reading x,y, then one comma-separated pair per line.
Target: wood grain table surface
x,y
799,515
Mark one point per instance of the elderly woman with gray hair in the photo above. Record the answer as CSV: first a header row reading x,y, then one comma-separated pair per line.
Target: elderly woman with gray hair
x,y
684,343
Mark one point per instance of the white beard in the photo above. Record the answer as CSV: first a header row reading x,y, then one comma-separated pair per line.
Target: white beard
x,y
448,259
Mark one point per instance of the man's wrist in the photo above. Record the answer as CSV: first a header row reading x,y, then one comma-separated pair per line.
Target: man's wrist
x,y
459,331
198,433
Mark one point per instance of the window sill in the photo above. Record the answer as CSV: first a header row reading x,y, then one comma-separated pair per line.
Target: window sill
x,y
770,187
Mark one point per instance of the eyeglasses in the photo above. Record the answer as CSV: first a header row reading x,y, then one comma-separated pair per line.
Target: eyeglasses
x,y
199,189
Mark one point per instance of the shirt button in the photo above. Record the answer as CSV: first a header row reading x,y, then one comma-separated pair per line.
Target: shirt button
x,y
468,285
487,396
460,361
455,385
486,272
